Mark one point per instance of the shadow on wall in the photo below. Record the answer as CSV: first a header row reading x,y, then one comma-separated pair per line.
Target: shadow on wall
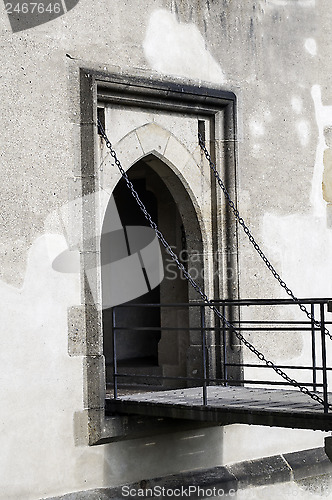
x,y
161,455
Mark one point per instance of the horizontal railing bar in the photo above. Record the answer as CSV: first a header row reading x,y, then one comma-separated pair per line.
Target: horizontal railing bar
x,y
274,329
199,379
258,322
285,367
250,365
212,328
226,302
290,322
165,377
181,304
271,301
272,382
162,328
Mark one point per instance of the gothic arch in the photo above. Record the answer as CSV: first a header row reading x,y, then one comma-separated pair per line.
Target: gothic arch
x,y
152,139
176,217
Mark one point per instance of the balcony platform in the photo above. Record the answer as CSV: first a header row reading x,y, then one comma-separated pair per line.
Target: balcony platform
x,y
227,405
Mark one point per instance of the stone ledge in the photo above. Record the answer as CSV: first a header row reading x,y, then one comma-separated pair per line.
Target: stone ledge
x,y
308,463
259,472
270,470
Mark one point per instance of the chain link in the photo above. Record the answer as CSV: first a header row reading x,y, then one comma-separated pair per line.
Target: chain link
x,y
193,283
252,240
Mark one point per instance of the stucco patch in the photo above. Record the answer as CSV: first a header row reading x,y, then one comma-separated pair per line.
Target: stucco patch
x,y
256,127
297,104
324,120
303,132
176,48
310,46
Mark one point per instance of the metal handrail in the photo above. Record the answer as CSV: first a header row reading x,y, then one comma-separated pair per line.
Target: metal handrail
x,y
252,325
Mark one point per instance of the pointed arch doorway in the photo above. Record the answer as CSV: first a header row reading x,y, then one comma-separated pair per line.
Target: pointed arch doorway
x,y
152,349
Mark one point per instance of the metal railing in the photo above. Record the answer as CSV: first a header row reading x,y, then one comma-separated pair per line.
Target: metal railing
x,y
200,320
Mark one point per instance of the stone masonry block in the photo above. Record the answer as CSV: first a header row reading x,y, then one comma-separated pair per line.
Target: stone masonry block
x,y
94,390
85,331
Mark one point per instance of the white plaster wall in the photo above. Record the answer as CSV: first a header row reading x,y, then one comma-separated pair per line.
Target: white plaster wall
x,y
253,442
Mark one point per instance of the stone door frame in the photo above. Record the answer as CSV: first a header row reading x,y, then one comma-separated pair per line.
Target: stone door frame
x,y
85,322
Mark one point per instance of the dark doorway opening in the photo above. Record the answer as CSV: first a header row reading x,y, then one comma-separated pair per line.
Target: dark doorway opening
x,y
151,349
138,348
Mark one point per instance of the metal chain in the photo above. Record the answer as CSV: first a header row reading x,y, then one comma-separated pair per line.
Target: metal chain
x,y
196,287
254,243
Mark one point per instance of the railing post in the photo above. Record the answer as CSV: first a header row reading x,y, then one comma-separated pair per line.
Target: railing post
x,y
224,340
203,332
115,369
324,364
313,348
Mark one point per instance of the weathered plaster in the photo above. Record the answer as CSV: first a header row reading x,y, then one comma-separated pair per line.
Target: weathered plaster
x,y
323,119
307,272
